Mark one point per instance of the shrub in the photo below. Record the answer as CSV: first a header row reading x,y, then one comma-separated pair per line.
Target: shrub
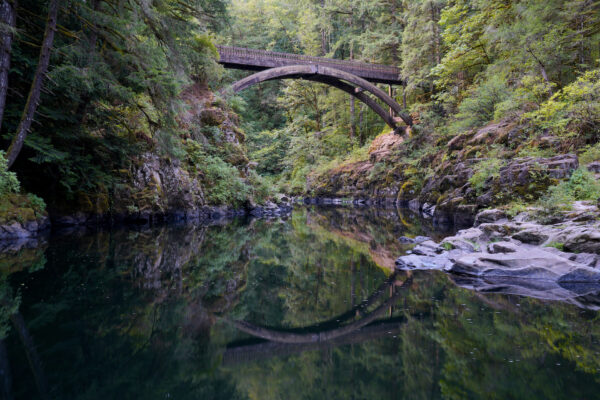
x,y
37,203
515,208
261,187
581,186
590,154
480,107
573,112
557,245
8,179
484,170
221,181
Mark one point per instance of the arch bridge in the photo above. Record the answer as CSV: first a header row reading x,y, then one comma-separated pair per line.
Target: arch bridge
x,y
354,78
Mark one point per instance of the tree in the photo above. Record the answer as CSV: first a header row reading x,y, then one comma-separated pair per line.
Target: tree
x,y
8,21
421,44
36,86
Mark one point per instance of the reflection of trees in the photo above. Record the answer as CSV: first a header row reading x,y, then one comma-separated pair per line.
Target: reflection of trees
x,y
134,315
128,314
375,230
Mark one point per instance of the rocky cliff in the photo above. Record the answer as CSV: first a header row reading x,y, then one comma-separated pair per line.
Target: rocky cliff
x,y
448,179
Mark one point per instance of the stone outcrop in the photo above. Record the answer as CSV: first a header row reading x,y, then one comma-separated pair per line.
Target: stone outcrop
x,y
158,188
446,193
21,218
439,183
457,201
559,261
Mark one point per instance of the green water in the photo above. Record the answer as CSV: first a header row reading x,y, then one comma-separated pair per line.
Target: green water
x,y
181,312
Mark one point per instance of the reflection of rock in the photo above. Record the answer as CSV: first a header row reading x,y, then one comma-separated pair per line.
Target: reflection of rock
x,y
580,294
377,227
17,255
282,206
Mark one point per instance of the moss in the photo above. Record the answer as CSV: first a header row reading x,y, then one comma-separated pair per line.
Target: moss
x,y
409,190
212,117
19,208
556,245
472,152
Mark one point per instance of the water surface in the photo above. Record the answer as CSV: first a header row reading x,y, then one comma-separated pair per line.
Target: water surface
x,y
304,308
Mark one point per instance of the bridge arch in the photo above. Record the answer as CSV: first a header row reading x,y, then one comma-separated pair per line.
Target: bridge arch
x,y
332,76
276,335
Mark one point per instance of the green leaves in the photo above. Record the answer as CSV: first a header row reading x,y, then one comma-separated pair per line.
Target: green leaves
x,y
8,179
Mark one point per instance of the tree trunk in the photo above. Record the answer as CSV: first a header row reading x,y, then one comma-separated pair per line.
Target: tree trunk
x,y
323,32
36,86
352,119
35,363
361,138
352,104
8,17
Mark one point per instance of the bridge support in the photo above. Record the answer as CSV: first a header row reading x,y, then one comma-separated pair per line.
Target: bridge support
x,y
334,77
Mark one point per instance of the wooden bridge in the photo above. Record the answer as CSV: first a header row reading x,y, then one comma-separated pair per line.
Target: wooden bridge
x,y
355,78
260,60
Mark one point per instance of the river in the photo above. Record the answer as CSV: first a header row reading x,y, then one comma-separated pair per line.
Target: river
x,y
307,307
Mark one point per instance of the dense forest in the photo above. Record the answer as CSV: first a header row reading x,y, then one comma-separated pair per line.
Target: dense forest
x,y
101,100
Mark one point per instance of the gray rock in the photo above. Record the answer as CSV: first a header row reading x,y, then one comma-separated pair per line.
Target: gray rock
x,y
412,261
414,205
521,264
428,210
594,167
531,236
587,259
427,248
581,275
582,239
497,230
416,239
503,247
487,216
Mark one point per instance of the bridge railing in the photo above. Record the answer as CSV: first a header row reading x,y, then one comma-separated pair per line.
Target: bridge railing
x,y
231,52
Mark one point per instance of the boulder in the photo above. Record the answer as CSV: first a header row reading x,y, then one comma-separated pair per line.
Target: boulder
x,y
522,264
416,239
503,247
487,216
594,167
582,239
531,236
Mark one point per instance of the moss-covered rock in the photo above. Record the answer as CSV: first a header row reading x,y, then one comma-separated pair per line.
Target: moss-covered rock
x,y
21,216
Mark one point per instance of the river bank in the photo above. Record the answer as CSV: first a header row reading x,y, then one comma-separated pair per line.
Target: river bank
x,y
520,255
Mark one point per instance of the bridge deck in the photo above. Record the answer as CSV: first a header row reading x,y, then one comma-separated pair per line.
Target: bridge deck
x,y
259,60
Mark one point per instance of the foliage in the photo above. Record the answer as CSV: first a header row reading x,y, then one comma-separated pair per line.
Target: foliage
x,y
222,181
582,185
516,207
590,154
8,179
113,89
484,171
479,107
37,203
574,112
557,245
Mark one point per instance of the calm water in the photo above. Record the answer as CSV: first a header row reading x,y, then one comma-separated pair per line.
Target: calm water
x,y
307,308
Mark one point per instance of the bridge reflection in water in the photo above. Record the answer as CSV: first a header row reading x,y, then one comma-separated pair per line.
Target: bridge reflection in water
x,y
325,335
